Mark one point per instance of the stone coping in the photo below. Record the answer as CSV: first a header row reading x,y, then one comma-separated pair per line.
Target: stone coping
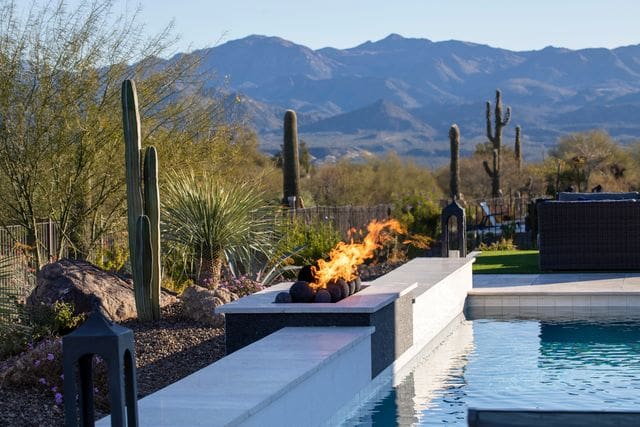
x,y
417,276
556,284
236,387
550,293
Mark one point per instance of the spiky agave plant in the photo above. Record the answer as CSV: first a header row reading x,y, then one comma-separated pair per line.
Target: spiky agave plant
x,y
216,222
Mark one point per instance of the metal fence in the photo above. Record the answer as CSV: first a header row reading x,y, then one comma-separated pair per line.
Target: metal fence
x,y
12,237
492,215
13,244
343,218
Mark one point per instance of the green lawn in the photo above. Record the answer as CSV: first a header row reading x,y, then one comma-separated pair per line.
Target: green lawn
x,y
506,262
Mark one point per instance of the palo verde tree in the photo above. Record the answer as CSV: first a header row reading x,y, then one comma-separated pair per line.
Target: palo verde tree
x,y
60,125
582,154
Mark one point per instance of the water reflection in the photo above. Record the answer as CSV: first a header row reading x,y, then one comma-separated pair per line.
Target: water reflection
x,y
409,402
517,364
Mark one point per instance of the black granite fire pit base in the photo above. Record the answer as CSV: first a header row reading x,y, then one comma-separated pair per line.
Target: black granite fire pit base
x,y
393,324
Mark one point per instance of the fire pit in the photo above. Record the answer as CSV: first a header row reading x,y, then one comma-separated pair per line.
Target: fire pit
x,y
406,306
332,280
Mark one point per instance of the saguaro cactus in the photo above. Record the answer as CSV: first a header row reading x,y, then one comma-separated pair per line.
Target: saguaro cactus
x,y
143,210
496,141
454,165
518,148
290,159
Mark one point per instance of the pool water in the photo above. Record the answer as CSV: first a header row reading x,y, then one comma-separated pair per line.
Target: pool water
x,y
515,364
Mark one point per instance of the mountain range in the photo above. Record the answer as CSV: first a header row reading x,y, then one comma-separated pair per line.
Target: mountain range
x,y
403,94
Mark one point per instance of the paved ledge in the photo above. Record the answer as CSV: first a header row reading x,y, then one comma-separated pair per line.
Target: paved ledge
x,y
564,284
265,377
425,272
553,296
416,276
369,300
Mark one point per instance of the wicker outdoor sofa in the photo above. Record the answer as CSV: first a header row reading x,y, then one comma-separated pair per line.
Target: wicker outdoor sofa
x,y
590,231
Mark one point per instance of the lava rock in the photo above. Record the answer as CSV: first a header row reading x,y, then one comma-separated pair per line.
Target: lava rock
x,y
306,274
322,295
283,297
335,290
352,287
358,284
301,291
344,287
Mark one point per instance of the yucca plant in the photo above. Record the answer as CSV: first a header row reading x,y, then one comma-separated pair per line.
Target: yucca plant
x,y
217,222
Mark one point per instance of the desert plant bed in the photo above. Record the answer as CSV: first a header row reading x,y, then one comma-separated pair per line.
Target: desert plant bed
x,y
166,351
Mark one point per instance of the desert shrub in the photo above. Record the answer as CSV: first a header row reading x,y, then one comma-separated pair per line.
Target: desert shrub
x,y
33,324
418,214
176,285
41,366
242,286
307,242
377,180
500,245
58,318
113,258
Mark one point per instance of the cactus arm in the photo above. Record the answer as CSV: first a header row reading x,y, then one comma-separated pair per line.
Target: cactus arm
x,y
507,117
152,211
487,169
142,289
489,127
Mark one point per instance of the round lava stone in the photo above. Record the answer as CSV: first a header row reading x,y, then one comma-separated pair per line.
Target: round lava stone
x,y
300,291
352,287
343,287
283,297
335,291
306,274
322,295
358,283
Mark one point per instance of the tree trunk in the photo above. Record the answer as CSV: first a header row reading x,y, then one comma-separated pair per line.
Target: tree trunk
x,y
210,272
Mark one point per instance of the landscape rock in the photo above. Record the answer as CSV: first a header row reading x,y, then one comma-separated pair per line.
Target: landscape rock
x,y
198,304
85,285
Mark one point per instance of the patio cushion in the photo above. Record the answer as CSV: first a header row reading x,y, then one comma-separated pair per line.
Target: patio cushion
x,y
568,197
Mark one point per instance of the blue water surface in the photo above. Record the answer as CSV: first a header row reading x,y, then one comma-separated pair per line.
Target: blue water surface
x,y
516,364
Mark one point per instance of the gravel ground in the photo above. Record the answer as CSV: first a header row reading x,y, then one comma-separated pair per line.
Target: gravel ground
x,y
166,351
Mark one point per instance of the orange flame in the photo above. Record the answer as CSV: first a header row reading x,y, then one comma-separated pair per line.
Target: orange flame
x,y
345,258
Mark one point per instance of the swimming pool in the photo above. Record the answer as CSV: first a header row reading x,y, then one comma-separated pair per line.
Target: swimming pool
x,y
515,364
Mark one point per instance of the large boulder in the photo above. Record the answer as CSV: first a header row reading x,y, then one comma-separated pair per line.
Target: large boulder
x,y
198,304
85,285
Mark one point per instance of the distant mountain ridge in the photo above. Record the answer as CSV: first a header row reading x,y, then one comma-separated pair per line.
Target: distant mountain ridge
x,y
403,93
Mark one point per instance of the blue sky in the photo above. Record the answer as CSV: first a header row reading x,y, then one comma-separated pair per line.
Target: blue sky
x,y
510,24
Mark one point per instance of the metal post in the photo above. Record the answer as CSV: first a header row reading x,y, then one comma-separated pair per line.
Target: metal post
x,y
50,245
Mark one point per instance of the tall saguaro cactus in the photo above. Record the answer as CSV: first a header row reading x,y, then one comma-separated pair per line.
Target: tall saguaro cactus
x,y
496,140
143,210
454,165
290,159
518,149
